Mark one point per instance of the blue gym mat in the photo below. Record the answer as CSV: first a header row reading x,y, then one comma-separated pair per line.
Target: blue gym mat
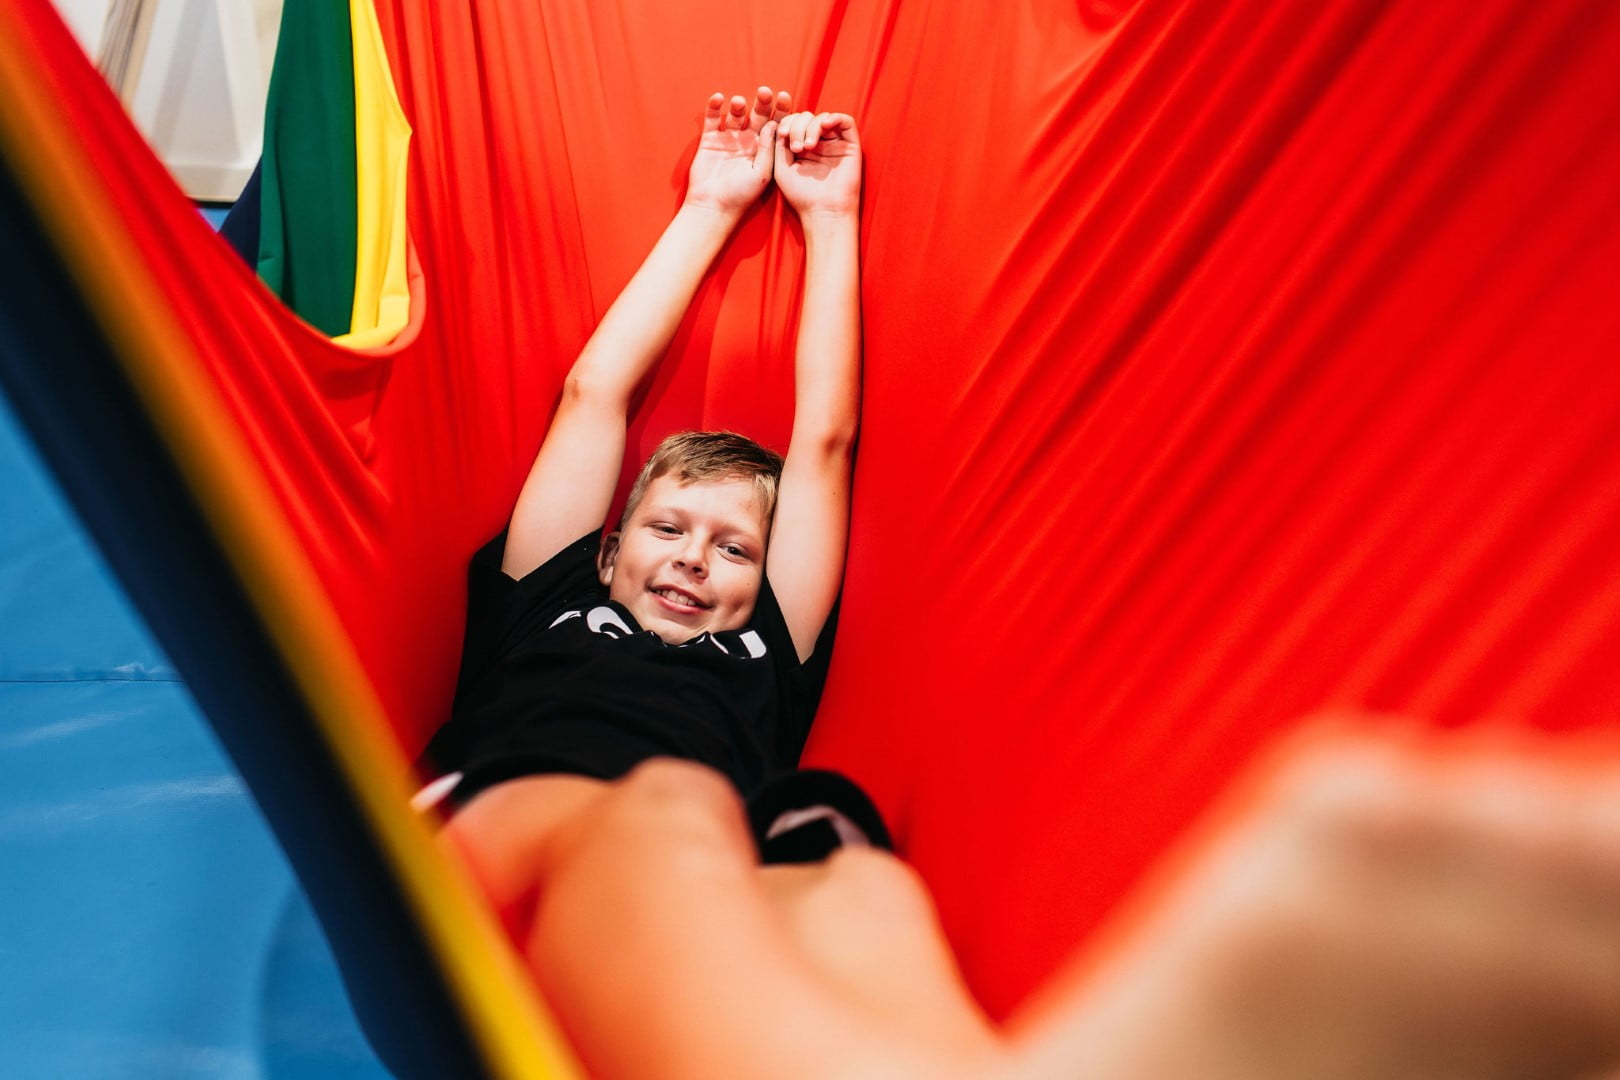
x,y
149,925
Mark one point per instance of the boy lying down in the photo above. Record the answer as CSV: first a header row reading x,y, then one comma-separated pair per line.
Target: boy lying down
x,y
699,628
618,701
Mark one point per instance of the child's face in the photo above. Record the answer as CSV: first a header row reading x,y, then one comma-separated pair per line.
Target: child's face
x,y
690,558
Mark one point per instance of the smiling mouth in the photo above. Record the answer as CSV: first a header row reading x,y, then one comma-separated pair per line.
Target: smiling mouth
x,y
682,599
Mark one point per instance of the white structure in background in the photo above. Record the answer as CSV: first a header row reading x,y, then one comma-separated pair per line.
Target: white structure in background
x,y
193,75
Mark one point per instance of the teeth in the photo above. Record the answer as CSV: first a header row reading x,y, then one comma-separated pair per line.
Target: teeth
x,y
676,598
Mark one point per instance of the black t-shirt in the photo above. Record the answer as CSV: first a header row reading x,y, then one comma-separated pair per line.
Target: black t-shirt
x,y
555,677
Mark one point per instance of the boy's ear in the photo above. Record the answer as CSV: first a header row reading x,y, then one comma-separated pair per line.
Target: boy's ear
x,y
606,558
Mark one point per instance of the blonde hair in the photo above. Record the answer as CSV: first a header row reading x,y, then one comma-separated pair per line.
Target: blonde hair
x,y
699,456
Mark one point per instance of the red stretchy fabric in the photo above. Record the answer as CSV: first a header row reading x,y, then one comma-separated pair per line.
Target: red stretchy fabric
x,y
1224,362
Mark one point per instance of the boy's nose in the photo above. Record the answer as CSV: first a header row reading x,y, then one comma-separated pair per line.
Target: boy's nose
x,y
690,558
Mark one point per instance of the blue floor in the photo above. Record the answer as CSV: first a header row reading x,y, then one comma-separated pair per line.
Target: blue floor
x,y
149,925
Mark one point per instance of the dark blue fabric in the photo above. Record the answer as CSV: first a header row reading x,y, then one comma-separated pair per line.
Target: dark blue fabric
x,y
241,226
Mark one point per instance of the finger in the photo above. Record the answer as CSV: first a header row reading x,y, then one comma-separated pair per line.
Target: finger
x,y
812,133
766,149
805,120
714,111
839,126
784,104
795,129
764,102
735,117
784,156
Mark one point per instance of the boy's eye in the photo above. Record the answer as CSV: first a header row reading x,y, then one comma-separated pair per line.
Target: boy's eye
x,y
666,530
734,551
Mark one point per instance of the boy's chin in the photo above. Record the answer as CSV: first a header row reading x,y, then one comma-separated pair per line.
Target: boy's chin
x,y
670,630
677,631
672,633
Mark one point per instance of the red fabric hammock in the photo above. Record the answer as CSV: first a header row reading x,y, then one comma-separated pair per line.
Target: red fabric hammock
x,y
1223,362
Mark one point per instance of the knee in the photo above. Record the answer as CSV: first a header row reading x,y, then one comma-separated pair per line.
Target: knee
x,y
669,785
875,885
675,801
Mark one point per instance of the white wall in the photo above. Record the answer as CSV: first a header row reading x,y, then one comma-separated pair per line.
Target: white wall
x,y
84,18
193,74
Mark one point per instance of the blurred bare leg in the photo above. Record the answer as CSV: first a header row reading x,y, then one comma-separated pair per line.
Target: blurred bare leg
x,y
865,922
505,833
1398,908
653,933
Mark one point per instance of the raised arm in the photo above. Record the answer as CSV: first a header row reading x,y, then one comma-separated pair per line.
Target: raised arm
x,y
570,486
818,169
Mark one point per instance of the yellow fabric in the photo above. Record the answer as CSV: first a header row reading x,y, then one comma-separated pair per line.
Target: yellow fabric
x,y
382,299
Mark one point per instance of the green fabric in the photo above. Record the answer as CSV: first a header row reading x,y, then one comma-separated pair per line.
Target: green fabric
x,y
308,227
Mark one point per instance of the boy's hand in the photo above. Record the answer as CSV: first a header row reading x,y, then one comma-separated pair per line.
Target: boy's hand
x,y
732,166
818,163
571,483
